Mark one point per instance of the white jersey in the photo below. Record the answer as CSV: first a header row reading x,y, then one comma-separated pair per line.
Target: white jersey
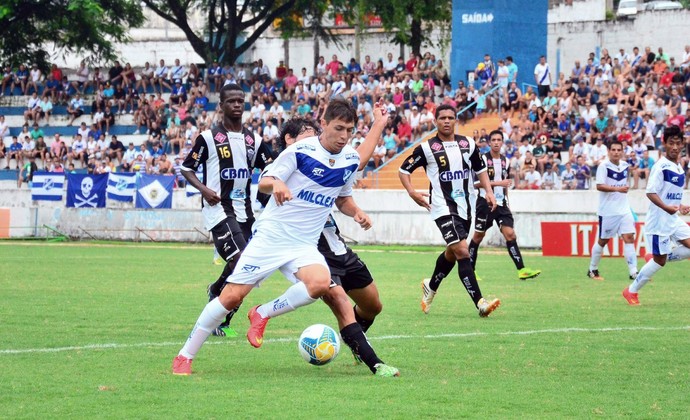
x,y
666,179
316,178
613,203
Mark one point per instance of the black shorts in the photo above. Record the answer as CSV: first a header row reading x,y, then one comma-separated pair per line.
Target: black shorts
x,y
485,218
543,90
231,237
453,228
348,271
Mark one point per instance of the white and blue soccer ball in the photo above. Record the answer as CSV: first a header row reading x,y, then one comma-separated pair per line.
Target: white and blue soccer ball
x,y
319,344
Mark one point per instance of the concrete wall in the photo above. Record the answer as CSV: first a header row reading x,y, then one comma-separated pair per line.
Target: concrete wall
x,y
575,40
396,219
581,10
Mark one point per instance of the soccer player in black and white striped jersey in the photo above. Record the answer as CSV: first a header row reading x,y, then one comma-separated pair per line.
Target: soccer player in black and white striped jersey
x,y
227,154
450,161
499,178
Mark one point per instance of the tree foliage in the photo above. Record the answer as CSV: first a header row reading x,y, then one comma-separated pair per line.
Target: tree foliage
x,y
412,21
84,27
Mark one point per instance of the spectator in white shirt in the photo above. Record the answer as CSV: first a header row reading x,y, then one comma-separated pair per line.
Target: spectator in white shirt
x,y
551,180
275,114
532,179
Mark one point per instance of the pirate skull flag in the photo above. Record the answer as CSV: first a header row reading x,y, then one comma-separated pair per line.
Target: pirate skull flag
x,y
85,190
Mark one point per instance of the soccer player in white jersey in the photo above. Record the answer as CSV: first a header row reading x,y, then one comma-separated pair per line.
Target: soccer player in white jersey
x,y
350,277
305,181
449,161
615,217
663,226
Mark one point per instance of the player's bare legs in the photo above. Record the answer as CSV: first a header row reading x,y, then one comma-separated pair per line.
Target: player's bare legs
x,y
212,315
314,280
367,304
628,251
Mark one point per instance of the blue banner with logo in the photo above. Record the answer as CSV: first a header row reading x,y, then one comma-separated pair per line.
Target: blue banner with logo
x,y
154,191
122,187
86,190
47,186
500,28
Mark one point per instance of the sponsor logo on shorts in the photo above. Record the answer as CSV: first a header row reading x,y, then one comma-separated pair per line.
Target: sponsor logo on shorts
x,y
248,268
225,236
446,224
448,235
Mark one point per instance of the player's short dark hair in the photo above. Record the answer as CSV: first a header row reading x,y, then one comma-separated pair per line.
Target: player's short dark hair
x,y
295,126
444,107
497,132
340,109
230,87
672,131
615,142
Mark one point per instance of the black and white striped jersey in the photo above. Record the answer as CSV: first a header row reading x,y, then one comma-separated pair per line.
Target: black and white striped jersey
x,y
498,170
228,159
449,165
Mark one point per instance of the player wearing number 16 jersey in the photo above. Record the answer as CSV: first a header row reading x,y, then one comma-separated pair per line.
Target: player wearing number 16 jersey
x,y
449,161
499,177
227,155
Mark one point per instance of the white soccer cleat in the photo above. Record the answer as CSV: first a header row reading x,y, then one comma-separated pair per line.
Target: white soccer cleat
x,y
427,296
487,306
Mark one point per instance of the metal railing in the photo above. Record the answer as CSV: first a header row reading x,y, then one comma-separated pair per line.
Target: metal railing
x,y
374,174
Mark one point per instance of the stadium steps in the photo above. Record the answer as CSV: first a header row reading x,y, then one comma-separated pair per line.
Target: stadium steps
x,y
387,177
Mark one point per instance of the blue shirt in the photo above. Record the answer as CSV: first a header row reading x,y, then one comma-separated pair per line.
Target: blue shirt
x,y
512,70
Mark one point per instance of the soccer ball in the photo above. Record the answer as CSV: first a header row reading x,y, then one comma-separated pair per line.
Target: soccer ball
x,y
319,344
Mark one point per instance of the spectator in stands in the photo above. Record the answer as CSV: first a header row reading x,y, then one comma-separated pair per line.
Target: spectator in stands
x,y
52,87
583,174
145,78
79,150
551,180
14,151
31,107
75,108
532,178
26,174
21,78
160,77
644,165
115,76
7,78
3,148
115,149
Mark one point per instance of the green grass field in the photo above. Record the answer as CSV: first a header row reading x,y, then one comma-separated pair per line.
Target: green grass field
x,y
89,331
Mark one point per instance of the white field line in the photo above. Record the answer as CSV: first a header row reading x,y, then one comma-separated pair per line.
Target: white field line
x,y
240,340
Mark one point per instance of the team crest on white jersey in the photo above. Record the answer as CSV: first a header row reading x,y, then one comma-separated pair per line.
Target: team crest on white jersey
x,y
346,175
331,162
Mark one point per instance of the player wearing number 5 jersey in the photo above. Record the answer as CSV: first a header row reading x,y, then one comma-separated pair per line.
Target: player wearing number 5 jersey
x,y
499,177
227,155
663,226
449,161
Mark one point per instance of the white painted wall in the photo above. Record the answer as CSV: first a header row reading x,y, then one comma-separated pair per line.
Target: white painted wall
x,y
667,29
396,219
580,10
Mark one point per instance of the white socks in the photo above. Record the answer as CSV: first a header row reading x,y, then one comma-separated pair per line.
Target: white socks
x,y
596,256
646,273
294,297
210,318
679,254
630,258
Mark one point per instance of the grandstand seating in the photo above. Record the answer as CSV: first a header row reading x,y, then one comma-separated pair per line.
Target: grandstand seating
x,y
387,176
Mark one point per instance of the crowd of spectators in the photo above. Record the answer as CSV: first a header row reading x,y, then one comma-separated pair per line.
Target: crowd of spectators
x,y
555,131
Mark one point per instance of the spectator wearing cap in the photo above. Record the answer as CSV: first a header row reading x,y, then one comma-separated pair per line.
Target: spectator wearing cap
x,y
178,95
186,150
551,180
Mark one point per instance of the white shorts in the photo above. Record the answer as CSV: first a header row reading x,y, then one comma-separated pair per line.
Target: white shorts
x,y
664,244
611,226
262,257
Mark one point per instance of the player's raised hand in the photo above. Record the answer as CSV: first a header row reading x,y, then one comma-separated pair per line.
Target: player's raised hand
x,y
380,112
210,196
684,209
281,192
421,199
363,219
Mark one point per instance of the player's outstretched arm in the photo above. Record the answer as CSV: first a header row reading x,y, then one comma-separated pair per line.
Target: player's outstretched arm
x,y
366,149
209,195
348,207
276,187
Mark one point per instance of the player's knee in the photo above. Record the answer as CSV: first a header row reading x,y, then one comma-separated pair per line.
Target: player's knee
x,y
317,286
510,235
